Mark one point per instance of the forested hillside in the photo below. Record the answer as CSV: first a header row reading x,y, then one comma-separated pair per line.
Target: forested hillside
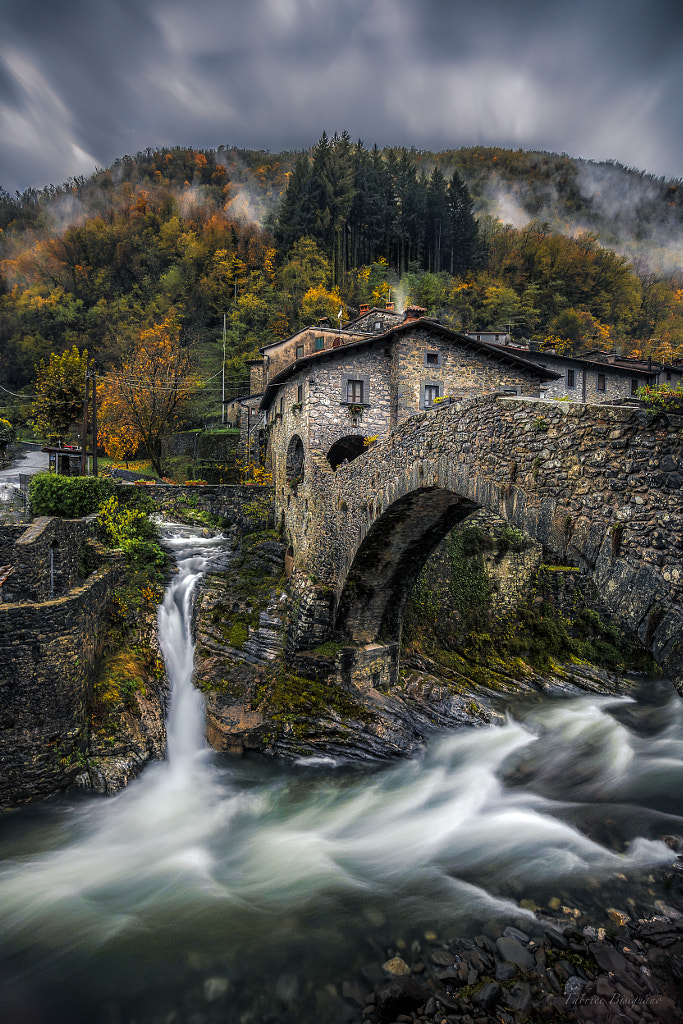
x,y
483,238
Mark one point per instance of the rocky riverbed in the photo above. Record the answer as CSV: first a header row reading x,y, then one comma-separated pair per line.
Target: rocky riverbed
x,y
540,969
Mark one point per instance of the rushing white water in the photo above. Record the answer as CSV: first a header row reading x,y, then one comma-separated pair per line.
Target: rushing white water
x,y
261,872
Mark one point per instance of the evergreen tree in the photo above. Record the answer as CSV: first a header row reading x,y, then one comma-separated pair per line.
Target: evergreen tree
x,y
466,248
296,212
438,222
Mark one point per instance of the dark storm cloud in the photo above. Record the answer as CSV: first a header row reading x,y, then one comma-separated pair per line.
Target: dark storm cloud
x,y
82,82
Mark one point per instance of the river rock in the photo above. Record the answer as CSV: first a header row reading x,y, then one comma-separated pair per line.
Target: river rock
x,y
510,949
401,995
396,966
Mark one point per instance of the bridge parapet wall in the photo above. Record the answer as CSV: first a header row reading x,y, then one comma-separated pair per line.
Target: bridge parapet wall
x,y
600,486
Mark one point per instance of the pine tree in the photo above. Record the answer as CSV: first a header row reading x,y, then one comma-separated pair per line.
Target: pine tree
x,y
296,213
438,221
466,248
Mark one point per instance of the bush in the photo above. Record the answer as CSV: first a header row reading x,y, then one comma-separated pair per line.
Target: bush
x,y
70,497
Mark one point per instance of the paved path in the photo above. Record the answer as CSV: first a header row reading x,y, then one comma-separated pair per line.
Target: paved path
x,y
29,461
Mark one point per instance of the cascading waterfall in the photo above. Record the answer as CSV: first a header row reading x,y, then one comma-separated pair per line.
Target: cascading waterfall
x,y
269,877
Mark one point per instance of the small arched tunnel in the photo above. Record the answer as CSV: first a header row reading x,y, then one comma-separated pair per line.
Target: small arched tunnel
x,y
346,449
390,559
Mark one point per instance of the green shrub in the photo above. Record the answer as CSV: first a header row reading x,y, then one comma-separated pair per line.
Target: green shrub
x,y
70,497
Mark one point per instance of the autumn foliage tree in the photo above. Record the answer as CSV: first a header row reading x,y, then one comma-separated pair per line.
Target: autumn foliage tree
x,y
60,388
142,400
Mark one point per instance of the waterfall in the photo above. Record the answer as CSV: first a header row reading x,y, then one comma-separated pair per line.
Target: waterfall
x,y
185,722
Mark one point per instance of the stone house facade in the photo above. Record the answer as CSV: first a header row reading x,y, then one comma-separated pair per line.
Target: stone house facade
x,y
328,406
597,376
310,340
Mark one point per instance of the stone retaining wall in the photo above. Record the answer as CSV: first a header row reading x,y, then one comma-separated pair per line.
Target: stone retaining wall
x,y
45,556
47,658
246,508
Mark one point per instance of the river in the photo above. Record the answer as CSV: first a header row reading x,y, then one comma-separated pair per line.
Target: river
x,y
238,890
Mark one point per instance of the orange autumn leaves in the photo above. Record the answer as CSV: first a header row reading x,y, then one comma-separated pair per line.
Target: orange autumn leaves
x,y
143,398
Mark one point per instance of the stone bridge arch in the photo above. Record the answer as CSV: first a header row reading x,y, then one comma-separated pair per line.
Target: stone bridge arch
x,y
600,487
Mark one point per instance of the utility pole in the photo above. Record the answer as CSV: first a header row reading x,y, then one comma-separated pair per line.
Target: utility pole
x,y
94,420
84,436
223,395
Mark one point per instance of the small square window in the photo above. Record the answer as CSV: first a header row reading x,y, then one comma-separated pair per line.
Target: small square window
x,y
354,392
571,379
319,344
378,325
601,382
432,359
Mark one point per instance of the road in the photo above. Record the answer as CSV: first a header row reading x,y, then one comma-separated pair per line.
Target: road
x,y
31,462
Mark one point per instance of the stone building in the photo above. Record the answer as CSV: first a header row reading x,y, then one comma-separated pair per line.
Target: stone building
x,y
328,405
281,352
596,376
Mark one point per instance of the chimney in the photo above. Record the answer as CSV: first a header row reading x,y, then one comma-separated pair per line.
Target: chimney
x,y
413,313
389,306
363,308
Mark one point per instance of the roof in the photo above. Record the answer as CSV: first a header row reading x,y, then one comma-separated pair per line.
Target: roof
x,y
432,326
376,310
623,367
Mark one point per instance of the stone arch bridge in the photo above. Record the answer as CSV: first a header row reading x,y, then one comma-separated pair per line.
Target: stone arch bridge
x,y
600,487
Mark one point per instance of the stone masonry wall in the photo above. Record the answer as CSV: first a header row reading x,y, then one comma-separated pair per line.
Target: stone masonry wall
x,y
597,485
324,416
459,372
247,508
200,445
47,656
45,558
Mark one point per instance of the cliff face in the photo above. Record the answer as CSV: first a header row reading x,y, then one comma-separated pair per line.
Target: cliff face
x,y
337,700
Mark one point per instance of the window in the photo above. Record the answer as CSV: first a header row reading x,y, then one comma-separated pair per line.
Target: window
x,y
668,374
634,385
282,406
431,392
300,393
299,351
378,325
432,359
319,344
571,379
355,390
600,385
428,392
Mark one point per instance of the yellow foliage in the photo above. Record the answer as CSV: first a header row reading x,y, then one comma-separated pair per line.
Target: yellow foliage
x,y
253,475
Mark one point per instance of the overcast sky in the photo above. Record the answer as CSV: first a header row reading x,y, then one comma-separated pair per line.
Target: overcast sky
x,y
85,81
